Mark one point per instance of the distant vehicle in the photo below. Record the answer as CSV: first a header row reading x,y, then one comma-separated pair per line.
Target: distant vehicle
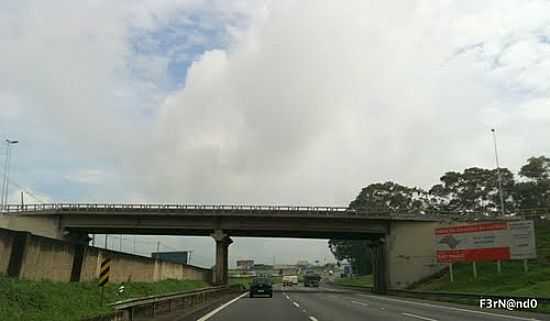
x,y
261,286
311,279
290,280
348,271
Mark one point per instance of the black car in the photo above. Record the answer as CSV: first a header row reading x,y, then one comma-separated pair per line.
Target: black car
x,y
261,286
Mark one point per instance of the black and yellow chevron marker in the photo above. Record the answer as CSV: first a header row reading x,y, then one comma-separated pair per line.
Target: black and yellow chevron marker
x,y
105,271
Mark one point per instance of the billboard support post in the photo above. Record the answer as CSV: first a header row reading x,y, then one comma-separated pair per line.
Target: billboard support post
x,y
474,266
525,266
451,272
499,267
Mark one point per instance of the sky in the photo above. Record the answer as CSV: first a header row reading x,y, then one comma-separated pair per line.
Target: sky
x,y
265,102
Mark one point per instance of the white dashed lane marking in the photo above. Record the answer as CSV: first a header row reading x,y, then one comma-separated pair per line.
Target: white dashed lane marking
x,y
360,303
410,315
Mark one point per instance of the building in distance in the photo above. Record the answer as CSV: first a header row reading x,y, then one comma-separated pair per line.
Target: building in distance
x,y
181,257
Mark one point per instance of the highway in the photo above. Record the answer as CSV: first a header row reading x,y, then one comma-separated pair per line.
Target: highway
x,y
326,304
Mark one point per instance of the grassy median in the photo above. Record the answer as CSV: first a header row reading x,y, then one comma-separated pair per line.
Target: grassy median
x,y
360,281
23,300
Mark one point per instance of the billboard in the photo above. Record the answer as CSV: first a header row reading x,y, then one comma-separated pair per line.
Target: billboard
x,y
486,242
245,264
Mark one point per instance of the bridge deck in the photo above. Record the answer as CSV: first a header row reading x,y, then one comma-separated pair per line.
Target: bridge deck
x,y
250,210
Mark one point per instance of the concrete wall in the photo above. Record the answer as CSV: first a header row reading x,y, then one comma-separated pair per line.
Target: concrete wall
x,y
6,241
47,258
410,253
47,226
51,259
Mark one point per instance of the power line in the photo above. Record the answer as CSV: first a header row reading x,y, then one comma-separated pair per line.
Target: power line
x,y
23,189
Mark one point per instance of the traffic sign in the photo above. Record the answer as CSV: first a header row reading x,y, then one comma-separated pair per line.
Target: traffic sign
x,y
104,271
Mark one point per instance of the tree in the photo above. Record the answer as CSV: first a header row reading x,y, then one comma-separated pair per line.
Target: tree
x,y
354,251
537,168
390,197
473,190
534,189
378,197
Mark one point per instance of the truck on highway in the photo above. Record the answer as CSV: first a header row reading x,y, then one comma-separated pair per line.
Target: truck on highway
x,y
311,279
290,280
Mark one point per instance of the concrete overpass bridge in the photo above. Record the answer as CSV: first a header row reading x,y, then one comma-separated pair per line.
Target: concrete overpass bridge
x,y
401,243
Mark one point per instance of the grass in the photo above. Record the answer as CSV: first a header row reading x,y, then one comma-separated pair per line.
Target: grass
x,y
512,281
246,281
23,300
542,233
364,281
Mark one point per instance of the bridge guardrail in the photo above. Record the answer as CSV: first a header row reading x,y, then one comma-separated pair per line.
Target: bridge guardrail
x,y
152,306
543,213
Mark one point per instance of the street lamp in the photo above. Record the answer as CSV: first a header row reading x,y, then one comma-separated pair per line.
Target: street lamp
x,y
5,182
499,177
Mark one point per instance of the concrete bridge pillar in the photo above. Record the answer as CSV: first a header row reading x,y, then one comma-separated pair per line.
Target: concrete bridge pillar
x,y
220,275
378,254
77,237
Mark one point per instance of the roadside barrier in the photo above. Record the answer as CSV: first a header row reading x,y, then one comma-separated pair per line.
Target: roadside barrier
x,y
183,303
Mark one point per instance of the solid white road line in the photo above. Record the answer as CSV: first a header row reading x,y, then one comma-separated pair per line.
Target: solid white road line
x,y
360,303
417,316
312,318
225,305
444,307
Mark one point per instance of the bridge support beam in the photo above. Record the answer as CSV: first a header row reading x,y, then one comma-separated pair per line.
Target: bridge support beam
x,y
221,269
78,237
378,254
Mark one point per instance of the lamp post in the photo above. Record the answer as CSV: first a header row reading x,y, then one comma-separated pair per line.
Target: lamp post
x,y
499,181
5,182
499,177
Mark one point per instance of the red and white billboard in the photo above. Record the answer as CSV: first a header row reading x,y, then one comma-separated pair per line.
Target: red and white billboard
x,y
485,242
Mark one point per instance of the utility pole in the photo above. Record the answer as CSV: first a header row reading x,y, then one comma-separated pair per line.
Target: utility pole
x,y
106,241
499,180
5,182
499,176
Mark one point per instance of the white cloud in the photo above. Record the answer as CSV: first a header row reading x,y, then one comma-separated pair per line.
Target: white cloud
x,y
88,176
315,100
309,101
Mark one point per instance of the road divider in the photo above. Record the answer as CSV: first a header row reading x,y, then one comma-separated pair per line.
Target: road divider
x,y
182,303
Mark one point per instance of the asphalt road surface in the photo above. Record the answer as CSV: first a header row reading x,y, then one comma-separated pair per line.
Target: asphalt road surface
x,y
326,304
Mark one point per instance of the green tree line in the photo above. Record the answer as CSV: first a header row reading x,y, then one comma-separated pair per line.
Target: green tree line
x,y
474,190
